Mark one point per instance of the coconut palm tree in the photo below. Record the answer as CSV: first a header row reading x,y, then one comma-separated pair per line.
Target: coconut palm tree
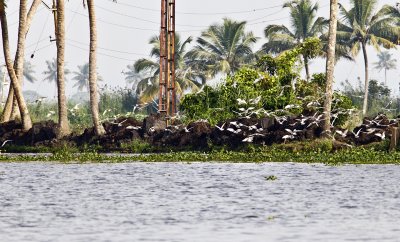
x,y
51,72
82,77
63,125
133,77
94,102
362,26
11,109
149,69
305,24
330,64
29,72
25,117
385,63
222,48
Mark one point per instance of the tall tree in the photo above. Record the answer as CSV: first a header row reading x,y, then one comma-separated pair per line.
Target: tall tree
x,y
11,107
94,102
223,48
50,74
25,118
63,125
362,26
385,63
305,24
82,77
149,69
330,64
29,72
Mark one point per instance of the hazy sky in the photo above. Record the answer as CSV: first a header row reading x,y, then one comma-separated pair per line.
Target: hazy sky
x,y
124,29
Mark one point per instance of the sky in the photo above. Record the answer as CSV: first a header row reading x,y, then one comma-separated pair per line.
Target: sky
x,y
125,27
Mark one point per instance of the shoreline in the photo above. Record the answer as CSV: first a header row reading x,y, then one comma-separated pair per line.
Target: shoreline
x,y
353,156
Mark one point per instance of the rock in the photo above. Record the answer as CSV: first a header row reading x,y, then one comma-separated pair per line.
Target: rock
x,y
155,121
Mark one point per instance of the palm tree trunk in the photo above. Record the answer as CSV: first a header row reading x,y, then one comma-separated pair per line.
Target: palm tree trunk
x,y
330,65
11,106
307,67
365,105
63,125
6,115
94,102
25,118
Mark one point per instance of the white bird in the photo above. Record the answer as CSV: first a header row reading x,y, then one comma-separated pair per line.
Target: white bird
x,y
76,107
221,128
286,137
106,111
342,133
260,77
291,106
357,135
40,99
187,130
130,127
234,131
253,127
281,120
120,123
292,132
236,124
248,139
381,135
5,142
313,104
255,101
241,101
51,113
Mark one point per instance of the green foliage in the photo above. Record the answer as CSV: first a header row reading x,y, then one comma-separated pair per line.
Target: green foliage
x,y
271,81
309,152
137,146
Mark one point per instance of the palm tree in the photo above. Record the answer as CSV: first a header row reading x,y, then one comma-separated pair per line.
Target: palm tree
x,y
361,26
51,72
29,72
385,63
94,102
305,24
133,77
11,109
330,64
148,70
222,48
82,77
63,125
25,117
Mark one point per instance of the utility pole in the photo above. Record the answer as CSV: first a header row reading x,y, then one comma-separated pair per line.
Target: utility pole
x,y
167,92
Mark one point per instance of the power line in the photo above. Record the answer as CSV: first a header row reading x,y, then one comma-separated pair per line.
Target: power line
x,y
102,54
202,13
107,49
130,27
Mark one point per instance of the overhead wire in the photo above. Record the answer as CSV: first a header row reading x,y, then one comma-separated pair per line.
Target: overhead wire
x,y
201,13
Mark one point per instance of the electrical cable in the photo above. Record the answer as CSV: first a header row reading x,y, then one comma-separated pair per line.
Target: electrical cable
x,y
201,13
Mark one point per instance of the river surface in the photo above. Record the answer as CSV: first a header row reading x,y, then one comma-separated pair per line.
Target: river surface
x,y
177,202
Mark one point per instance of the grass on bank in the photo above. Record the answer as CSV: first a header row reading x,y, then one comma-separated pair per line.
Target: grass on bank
x,y
320,151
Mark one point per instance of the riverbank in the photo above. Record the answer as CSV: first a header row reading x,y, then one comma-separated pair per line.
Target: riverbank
x,y
321,151
127,135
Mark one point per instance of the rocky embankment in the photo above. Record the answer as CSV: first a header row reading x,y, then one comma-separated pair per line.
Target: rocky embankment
x,y
200,135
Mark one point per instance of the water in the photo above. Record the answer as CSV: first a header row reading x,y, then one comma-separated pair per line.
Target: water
x,y
198,202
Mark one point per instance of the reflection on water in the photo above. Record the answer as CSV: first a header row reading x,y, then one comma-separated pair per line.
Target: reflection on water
x,y
198,202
